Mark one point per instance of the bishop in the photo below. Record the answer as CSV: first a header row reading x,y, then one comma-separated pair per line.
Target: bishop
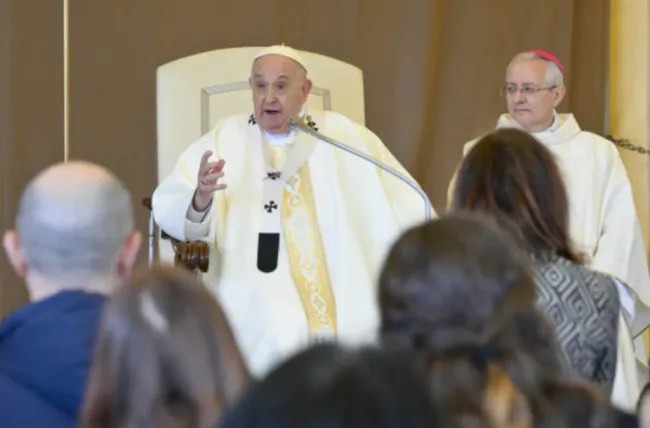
x,y
298,228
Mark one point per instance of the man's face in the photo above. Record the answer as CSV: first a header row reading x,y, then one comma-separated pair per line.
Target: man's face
x,y
280,88
529,97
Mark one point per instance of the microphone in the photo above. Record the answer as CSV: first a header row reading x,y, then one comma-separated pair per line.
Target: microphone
x,y
297,123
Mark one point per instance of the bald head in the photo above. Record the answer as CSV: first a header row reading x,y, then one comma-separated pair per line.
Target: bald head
x,y
72,221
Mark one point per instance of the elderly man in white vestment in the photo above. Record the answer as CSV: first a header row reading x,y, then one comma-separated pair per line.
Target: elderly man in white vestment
x,y
298,228
603,220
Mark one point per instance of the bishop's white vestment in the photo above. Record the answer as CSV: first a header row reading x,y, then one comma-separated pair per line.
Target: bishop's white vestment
x,y
605,228
338,216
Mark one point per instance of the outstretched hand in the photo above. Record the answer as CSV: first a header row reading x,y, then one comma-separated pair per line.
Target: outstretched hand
x,y
208,181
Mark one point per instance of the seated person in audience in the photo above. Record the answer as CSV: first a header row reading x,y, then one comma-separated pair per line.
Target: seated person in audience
x,y
74,240
509,175
165,356
329,386
584,405
460,295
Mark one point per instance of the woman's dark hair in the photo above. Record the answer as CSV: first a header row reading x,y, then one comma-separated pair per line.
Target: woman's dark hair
x,y
460,295
508,173
579,404
329,386
165,356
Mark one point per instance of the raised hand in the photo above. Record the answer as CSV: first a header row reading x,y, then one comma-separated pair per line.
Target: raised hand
x,y
207,181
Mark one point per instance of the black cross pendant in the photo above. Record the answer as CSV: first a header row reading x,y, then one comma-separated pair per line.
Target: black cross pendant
x,y
273,175
270,206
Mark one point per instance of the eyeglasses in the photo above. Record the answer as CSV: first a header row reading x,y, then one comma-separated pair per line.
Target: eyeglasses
x,y
512,89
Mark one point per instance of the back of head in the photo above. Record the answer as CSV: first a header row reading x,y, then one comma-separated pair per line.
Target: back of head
x,y
509,174
165,356
577,404
458,293
328,386
72,221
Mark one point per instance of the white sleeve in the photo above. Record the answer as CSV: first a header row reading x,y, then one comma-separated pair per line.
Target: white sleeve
x,y
627,298
408,206
172,199
621,251
197,216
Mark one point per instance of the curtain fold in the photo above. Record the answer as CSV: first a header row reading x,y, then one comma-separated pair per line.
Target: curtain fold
x,y
629,102
432,68
31,113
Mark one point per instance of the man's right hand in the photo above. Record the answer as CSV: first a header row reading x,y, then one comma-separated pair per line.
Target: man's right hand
x,y
207,182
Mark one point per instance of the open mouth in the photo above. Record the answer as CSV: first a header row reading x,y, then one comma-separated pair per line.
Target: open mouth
x,y
271,112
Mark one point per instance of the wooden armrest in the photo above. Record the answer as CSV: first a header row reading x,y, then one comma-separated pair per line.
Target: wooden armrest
x,y
191,255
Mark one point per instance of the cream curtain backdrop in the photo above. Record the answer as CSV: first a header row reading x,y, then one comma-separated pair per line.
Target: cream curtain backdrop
x,y
629,99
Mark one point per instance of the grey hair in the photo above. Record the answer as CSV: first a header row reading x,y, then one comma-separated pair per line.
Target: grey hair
x,y
554,76
74,232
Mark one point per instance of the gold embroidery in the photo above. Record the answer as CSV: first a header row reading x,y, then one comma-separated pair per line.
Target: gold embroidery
x,y
306,254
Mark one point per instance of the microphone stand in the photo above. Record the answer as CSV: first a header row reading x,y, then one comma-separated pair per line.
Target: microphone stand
x,y
298,124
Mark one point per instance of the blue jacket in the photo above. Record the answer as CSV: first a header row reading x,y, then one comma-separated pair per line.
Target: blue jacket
x,y
45,354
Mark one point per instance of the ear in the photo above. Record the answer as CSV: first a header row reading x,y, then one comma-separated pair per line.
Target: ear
x,y
307,87
559,92
128,254
11,243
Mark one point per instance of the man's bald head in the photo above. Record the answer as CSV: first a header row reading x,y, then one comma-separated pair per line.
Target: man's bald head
x,y
72,222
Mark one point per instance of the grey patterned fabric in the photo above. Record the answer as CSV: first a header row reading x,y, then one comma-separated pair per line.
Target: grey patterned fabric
x,y
583,306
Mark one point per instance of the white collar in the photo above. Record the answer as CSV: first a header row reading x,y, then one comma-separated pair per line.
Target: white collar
x,y
555,125
564,127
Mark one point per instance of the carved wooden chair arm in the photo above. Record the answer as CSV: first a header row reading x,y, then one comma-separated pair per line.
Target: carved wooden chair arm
x,y
191,255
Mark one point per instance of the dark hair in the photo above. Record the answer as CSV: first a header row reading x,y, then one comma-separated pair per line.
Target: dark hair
x,y
579,404
165,356
329,386
459,294
508,173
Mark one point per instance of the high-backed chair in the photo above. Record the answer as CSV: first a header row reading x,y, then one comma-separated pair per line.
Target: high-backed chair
x,y
193,93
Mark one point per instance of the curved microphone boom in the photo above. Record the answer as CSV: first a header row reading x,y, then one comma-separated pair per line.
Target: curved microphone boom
x,y
299,124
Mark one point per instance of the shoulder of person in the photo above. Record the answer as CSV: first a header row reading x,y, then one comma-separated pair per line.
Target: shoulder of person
x,y
592,277
334,120
604,146
468,146
223,126
337,125
232,123
565,272
569,268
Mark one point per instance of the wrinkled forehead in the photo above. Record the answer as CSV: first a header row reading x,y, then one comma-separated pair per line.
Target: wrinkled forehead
x,y
273,67
527,71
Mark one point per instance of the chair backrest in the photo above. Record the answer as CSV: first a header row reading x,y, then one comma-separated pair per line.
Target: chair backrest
x,y
194,92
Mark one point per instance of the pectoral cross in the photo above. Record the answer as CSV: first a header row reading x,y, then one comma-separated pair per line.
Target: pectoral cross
x,y
273,175
270,206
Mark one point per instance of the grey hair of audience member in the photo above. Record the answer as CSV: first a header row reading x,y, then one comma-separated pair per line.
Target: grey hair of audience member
x,y
71,226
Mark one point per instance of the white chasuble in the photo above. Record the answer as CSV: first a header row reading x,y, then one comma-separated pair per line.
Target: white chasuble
x,y
604,227
294,217
337,216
